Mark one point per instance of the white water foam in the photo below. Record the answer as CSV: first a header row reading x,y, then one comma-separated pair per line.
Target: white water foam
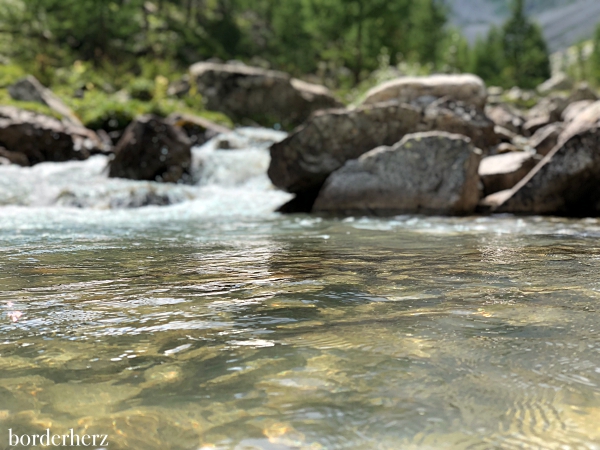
x,y
229,174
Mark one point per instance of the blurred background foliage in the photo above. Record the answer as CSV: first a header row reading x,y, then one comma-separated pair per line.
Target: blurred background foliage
x,y
100,55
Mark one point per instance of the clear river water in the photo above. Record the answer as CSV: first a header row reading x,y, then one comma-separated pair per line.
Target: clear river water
x,y
214,323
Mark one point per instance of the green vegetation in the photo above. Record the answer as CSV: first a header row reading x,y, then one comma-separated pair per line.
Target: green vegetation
x,y
595,58
515,55
296,35
527,62
110,105
111,60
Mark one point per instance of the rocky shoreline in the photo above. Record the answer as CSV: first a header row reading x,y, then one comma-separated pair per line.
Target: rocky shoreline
x,y
443,144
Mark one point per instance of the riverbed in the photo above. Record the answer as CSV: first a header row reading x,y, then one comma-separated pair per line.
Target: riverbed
x,y
212,322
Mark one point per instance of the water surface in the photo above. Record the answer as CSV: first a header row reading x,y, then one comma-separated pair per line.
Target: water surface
x,y
216,324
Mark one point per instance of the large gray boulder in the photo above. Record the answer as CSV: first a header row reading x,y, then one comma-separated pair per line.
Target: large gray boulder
x,y
565,182
42,138
152,149
29,89
303,160
466,88
252,94
425,173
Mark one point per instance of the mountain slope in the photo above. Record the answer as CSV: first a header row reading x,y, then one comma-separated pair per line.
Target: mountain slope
x,y
565,22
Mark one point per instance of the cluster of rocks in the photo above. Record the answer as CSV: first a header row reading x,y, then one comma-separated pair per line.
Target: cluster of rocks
x,y
414,145
151,148
28,138
433,145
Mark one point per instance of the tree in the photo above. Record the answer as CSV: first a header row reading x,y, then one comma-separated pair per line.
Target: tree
x,y
428,19
298,36
525,50
457,55
488,58
595,58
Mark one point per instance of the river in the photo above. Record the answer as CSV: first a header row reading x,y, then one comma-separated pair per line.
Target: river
x,y
214,323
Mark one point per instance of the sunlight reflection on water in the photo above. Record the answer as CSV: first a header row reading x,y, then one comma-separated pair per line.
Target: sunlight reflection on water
x,y
406,332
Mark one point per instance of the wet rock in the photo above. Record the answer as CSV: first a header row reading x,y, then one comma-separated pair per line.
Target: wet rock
x,y
14,157
430,173
500,172
115,136
466,88
42,138
302,202
29,89
303,160
152,149
505,117
546,138
198,129
262,96
565,181
105,138
460,118
559,82
81,399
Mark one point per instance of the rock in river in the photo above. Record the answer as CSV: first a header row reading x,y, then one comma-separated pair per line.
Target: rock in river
x,y
428,173
303,160
500,172
266,97
565,182
42,138
152,149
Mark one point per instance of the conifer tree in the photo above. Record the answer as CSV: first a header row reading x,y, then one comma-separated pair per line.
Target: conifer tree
x,y
595,58
488,58
427,32
525,50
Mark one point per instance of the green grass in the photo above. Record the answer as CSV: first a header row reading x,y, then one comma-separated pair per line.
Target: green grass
x,y
6,100
111,100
